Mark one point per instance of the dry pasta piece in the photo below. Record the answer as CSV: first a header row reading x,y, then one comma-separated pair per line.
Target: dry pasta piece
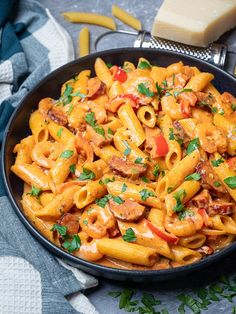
x,y
84,42
90,18
126,18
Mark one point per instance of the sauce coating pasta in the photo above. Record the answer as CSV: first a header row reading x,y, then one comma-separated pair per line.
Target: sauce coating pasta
x,y
134,168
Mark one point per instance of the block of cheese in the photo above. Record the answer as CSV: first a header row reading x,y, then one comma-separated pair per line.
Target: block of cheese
x,y
194,22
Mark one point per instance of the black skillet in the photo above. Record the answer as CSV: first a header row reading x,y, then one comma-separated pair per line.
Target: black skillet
x,y
18,127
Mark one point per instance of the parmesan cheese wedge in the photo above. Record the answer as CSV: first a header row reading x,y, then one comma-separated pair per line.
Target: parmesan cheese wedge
x,y
194,22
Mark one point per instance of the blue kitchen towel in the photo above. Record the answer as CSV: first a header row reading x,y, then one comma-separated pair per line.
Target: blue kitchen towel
x,y
32,280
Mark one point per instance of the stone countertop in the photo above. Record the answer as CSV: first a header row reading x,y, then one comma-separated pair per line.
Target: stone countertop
x,y
167,292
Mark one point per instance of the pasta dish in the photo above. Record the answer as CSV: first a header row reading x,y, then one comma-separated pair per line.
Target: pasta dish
x,y
133,168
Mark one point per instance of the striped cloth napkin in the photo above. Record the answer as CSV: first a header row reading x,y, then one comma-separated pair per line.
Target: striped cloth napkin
x,y
32,44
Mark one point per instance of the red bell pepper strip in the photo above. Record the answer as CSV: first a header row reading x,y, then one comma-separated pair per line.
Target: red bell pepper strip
x,y
168,237
162,147
185,108
232,163
118,74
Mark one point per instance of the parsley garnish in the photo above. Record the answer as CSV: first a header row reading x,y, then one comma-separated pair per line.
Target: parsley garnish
x,y
217,162
217,184
144,65
127,151
184,90
72,168
171,134
109,65
231,182
156,170
118,200
110,132
178,196
185,213
72,245
193,145
70,109
59,132
138,160
34,192
85,222
66,98
87,175
66,154
146,193
233,106
194,176
144,90
107,180
90,119
62,230
103,201
129,235
124,188
214,110
169,189
144,179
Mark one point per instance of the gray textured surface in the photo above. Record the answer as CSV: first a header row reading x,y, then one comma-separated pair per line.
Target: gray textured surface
x,y
145,11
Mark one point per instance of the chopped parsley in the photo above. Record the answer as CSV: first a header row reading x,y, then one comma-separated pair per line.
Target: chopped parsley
x,y
178,196
129,235
127,151
34,192
233,106
155,171
85,222
70,109
110,132
107,180
118,200
231,182
184,90
72,168
214,110
62,230
66,98
67,154
124,188
144,65
138,160
87,175
90,119
169,189
146,194
193,145
194,176
109,65
171,134
59,132
217,184
144,179
72,245
102,202
217,162
144,90
185,213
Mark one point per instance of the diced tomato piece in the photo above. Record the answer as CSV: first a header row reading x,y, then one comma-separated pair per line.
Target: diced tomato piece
x,y
205,217
162,147
119,74
185,108
169,237
232,163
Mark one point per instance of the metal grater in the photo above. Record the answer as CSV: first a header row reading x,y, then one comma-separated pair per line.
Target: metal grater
x,y
214,53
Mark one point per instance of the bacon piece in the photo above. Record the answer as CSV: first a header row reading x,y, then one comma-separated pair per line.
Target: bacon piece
x,y
127,211
205,250
208,177
95,87
58,115
71,222
125,168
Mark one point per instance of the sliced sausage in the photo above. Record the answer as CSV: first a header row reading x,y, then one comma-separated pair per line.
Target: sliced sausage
x,y
95,87
71,222
220,207
205,250
127,211
208,177
96,138
201,200
57,115
125,168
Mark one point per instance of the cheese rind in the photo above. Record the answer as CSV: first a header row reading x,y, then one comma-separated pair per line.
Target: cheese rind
x,y
194,22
